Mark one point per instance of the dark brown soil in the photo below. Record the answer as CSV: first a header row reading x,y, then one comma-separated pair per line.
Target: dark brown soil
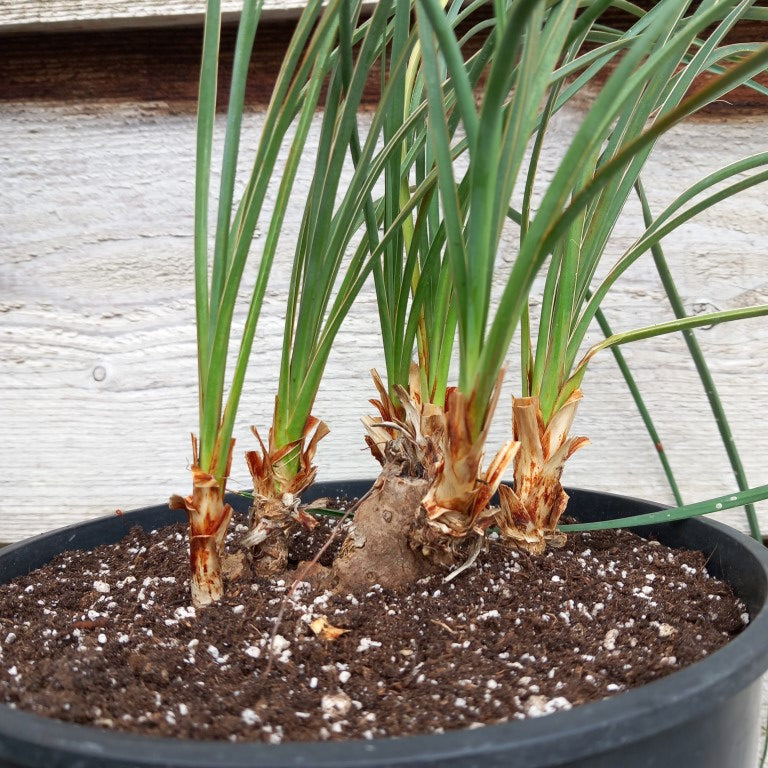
x,y
108,638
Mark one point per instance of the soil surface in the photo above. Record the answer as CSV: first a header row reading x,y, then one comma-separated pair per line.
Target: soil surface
x,y
108,638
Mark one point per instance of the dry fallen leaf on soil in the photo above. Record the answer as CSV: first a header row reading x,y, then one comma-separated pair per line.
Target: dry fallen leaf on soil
x,y
322,628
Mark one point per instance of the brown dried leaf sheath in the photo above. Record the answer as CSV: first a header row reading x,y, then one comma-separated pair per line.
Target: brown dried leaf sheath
x,y
280,475
437,443
529,514
428,447
209,518
278,470
459,491
379,429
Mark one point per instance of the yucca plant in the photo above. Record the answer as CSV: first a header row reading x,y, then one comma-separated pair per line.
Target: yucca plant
x,y
321,38
218,275
325,280
652,88
330,59
648,82
430,241
551,374
325,283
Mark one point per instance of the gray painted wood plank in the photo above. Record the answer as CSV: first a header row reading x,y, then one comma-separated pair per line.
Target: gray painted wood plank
x,y
32,15
97,344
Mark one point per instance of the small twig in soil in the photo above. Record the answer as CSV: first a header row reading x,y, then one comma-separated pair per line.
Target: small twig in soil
x,y
443,625
706,562
478,545
307,568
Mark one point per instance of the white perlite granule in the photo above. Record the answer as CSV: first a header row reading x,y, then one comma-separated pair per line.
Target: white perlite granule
x,y
335,705
249,717
609,641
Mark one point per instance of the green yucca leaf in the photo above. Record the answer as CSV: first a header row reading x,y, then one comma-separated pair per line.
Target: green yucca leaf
x,y
702,368
206,116
295,93
707,507
246,34
642,409
675,215
537,67
651,331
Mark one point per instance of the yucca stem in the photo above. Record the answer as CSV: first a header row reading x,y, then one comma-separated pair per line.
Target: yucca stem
x,y
209,517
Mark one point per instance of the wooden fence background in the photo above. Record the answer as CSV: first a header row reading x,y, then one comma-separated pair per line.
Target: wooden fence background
x,y
97,343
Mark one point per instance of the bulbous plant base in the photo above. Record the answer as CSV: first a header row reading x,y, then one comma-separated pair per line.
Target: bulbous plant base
x,y
377,549
272,554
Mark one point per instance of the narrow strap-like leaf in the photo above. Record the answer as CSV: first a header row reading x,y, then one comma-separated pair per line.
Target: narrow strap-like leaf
x,y
708,507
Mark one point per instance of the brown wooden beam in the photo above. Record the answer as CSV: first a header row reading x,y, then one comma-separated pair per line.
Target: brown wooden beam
x,y
159,67
145,66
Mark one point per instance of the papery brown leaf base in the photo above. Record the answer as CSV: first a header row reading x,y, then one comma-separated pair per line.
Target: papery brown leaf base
x,y
205,564
280,474
209,518
529,514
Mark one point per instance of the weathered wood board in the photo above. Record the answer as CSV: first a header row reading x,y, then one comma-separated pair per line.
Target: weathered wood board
x,y
33,15
97,343
155,68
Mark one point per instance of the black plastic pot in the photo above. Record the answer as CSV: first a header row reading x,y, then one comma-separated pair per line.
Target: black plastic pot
x,y
707,715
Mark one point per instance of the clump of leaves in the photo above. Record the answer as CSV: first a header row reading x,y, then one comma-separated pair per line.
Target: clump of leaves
x,y
329,60
420,204
537,63
219,271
